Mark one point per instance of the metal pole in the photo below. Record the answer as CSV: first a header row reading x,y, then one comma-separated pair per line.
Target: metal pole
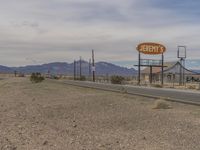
x,y
93,67
139,65
150,74
184,72
182,56
162,79
180,78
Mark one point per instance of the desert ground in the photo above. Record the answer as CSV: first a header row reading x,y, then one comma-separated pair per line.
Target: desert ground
x,y
54,116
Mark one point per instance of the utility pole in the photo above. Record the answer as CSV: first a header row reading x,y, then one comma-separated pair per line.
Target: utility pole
x,y
74,69
89,69
93,67
80,68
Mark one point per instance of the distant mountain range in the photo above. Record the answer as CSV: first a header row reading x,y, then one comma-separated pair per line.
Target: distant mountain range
x,y
197,71
102,68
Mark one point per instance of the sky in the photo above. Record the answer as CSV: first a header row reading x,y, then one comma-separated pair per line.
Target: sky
x,y
42,31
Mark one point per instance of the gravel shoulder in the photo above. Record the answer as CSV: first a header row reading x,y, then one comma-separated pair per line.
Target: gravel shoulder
x,y
55,116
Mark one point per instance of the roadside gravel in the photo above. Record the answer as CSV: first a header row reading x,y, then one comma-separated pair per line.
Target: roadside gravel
x,y
54,116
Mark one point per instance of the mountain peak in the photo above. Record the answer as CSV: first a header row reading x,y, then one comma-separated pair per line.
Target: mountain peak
x,y
102,68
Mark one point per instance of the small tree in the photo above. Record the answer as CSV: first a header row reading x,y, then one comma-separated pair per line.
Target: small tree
x,y
117,79
36,77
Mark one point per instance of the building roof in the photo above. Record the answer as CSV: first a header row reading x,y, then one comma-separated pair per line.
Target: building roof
x,y
172,67
157,69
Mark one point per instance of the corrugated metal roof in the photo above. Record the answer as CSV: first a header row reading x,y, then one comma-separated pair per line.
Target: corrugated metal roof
x,y
171,67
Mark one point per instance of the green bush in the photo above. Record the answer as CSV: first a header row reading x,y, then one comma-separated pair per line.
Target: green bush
x,y
36,77
117,79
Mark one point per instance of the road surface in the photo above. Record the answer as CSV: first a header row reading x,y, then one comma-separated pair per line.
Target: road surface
x,y
183,96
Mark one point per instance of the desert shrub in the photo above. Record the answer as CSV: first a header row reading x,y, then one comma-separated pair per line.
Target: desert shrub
x,y
161,104
21,75
157,85
83,78
192,87
123,90
54,77
117,79
128,79
36,77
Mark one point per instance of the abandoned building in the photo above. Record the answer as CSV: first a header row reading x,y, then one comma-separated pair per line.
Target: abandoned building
x,y
174,72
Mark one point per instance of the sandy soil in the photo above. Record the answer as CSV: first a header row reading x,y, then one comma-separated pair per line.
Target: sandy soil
x,y
54,116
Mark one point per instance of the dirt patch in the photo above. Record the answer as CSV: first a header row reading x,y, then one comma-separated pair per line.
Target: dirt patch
x,y
161,104
55,116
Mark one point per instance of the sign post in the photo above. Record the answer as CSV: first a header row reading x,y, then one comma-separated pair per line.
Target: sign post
x,y
150,49
182,55
162,80
139,61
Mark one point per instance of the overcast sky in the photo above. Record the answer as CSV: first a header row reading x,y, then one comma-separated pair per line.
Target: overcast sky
x,y
42,31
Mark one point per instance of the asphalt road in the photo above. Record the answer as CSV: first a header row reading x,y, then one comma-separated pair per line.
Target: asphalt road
x,y
183,96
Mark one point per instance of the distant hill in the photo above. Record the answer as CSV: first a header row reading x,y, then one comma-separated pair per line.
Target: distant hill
x,y
102,68
4,69
197,71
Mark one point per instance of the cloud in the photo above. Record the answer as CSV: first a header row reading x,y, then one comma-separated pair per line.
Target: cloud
x,y
26,24
62,30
